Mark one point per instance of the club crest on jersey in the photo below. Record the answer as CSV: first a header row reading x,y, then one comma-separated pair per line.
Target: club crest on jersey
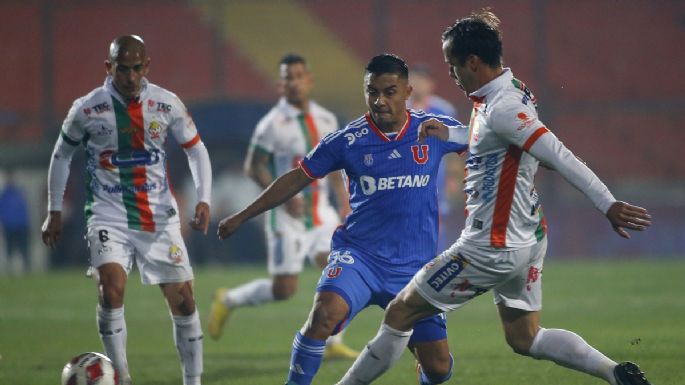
x,y
155,129
420,153
368,160
175,253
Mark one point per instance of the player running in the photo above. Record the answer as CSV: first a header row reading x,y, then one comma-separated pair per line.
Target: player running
x,y
130,211
392,230
301,229
503,244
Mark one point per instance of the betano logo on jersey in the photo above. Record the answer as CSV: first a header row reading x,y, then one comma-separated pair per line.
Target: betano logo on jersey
x,y
110,160
370,184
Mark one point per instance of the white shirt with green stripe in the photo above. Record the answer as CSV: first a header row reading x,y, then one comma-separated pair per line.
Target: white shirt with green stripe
x,y
287,135
126,183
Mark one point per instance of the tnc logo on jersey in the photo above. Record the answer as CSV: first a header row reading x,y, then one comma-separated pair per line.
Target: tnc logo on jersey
x,y
351,138
420,153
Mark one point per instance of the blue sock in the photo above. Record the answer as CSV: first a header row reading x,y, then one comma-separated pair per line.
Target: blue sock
x,y
305,359
424,380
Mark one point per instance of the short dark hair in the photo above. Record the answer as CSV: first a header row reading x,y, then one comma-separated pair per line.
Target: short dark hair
x,y
476,34
292,58
388,63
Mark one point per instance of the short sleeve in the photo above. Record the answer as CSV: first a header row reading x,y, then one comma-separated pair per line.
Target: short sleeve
x,y
182,126
517,123
263,137
326,157
73,129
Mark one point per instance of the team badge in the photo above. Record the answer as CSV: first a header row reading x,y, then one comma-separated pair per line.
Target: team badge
x,y
155,129
368,160
420,153
175,253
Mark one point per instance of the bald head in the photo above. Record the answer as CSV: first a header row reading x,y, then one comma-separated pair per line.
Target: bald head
x,y
127,45
127,63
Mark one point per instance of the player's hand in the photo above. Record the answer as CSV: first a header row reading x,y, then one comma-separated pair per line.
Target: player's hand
x,y
433,127
201,219
228,226
295,206
624,216
52,228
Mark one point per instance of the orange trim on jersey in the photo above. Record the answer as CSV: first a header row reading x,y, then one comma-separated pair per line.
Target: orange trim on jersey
x,y
307,171
191,142
533,138
505,197
135,113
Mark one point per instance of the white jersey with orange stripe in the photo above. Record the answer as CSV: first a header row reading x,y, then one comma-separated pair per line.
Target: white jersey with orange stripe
x,y
506,144
287,135
127,180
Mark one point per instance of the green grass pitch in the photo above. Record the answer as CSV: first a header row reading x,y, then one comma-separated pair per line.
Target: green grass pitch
x,y
629,310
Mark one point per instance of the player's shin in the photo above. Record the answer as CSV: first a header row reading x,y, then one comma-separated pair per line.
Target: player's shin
x,y
305,359
188,338
378,356
570,350
112,330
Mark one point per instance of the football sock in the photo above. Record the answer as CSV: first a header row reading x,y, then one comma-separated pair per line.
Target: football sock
x,y
112,329
378,356
188,338
425,380
252,293
568,349
305,359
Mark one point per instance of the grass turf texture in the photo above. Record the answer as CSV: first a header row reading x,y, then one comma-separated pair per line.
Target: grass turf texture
x,y
630,311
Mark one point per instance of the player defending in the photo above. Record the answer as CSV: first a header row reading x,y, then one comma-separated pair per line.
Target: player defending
x,y
392,229
503,244
130,211
301,228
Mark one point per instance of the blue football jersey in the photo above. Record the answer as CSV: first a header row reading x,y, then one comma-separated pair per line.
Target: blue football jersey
x,y
392,185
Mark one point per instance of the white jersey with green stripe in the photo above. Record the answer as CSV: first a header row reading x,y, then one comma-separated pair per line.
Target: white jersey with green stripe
x,y
287,135
502,206
507,142
127,183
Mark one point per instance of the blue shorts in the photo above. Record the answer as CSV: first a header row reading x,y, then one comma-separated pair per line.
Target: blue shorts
x,y
351,274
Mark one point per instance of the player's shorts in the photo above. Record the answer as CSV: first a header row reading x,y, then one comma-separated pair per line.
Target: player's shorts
x,y
463,272
354,276
288,248
161,256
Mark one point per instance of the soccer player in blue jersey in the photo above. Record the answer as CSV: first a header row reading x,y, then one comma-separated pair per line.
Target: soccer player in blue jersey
x,y
393,227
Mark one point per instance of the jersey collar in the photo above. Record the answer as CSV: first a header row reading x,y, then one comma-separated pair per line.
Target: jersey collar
x,y
492,86
381,134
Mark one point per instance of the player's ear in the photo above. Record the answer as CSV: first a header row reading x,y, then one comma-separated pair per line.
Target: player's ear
x,y
409,91
108,67
146,66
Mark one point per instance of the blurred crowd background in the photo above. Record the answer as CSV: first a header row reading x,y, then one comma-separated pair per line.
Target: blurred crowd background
x,y
608,76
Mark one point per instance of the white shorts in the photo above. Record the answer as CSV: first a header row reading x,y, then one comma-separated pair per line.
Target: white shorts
x,y
463,272
288,249
161,256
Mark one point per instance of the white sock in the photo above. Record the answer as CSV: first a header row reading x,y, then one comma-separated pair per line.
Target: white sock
x,y
335,339
252,293
568,349
188,338
378,356
112,330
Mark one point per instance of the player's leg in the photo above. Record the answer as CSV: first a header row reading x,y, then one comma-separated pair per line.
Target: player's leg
x,y
343,290
329,311
163,260
284,261
386,348
187,328
111,254
519,300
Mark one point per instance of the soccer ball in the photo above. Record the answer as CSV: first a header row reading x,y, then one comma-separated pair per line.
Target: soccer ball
x,y
89,369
